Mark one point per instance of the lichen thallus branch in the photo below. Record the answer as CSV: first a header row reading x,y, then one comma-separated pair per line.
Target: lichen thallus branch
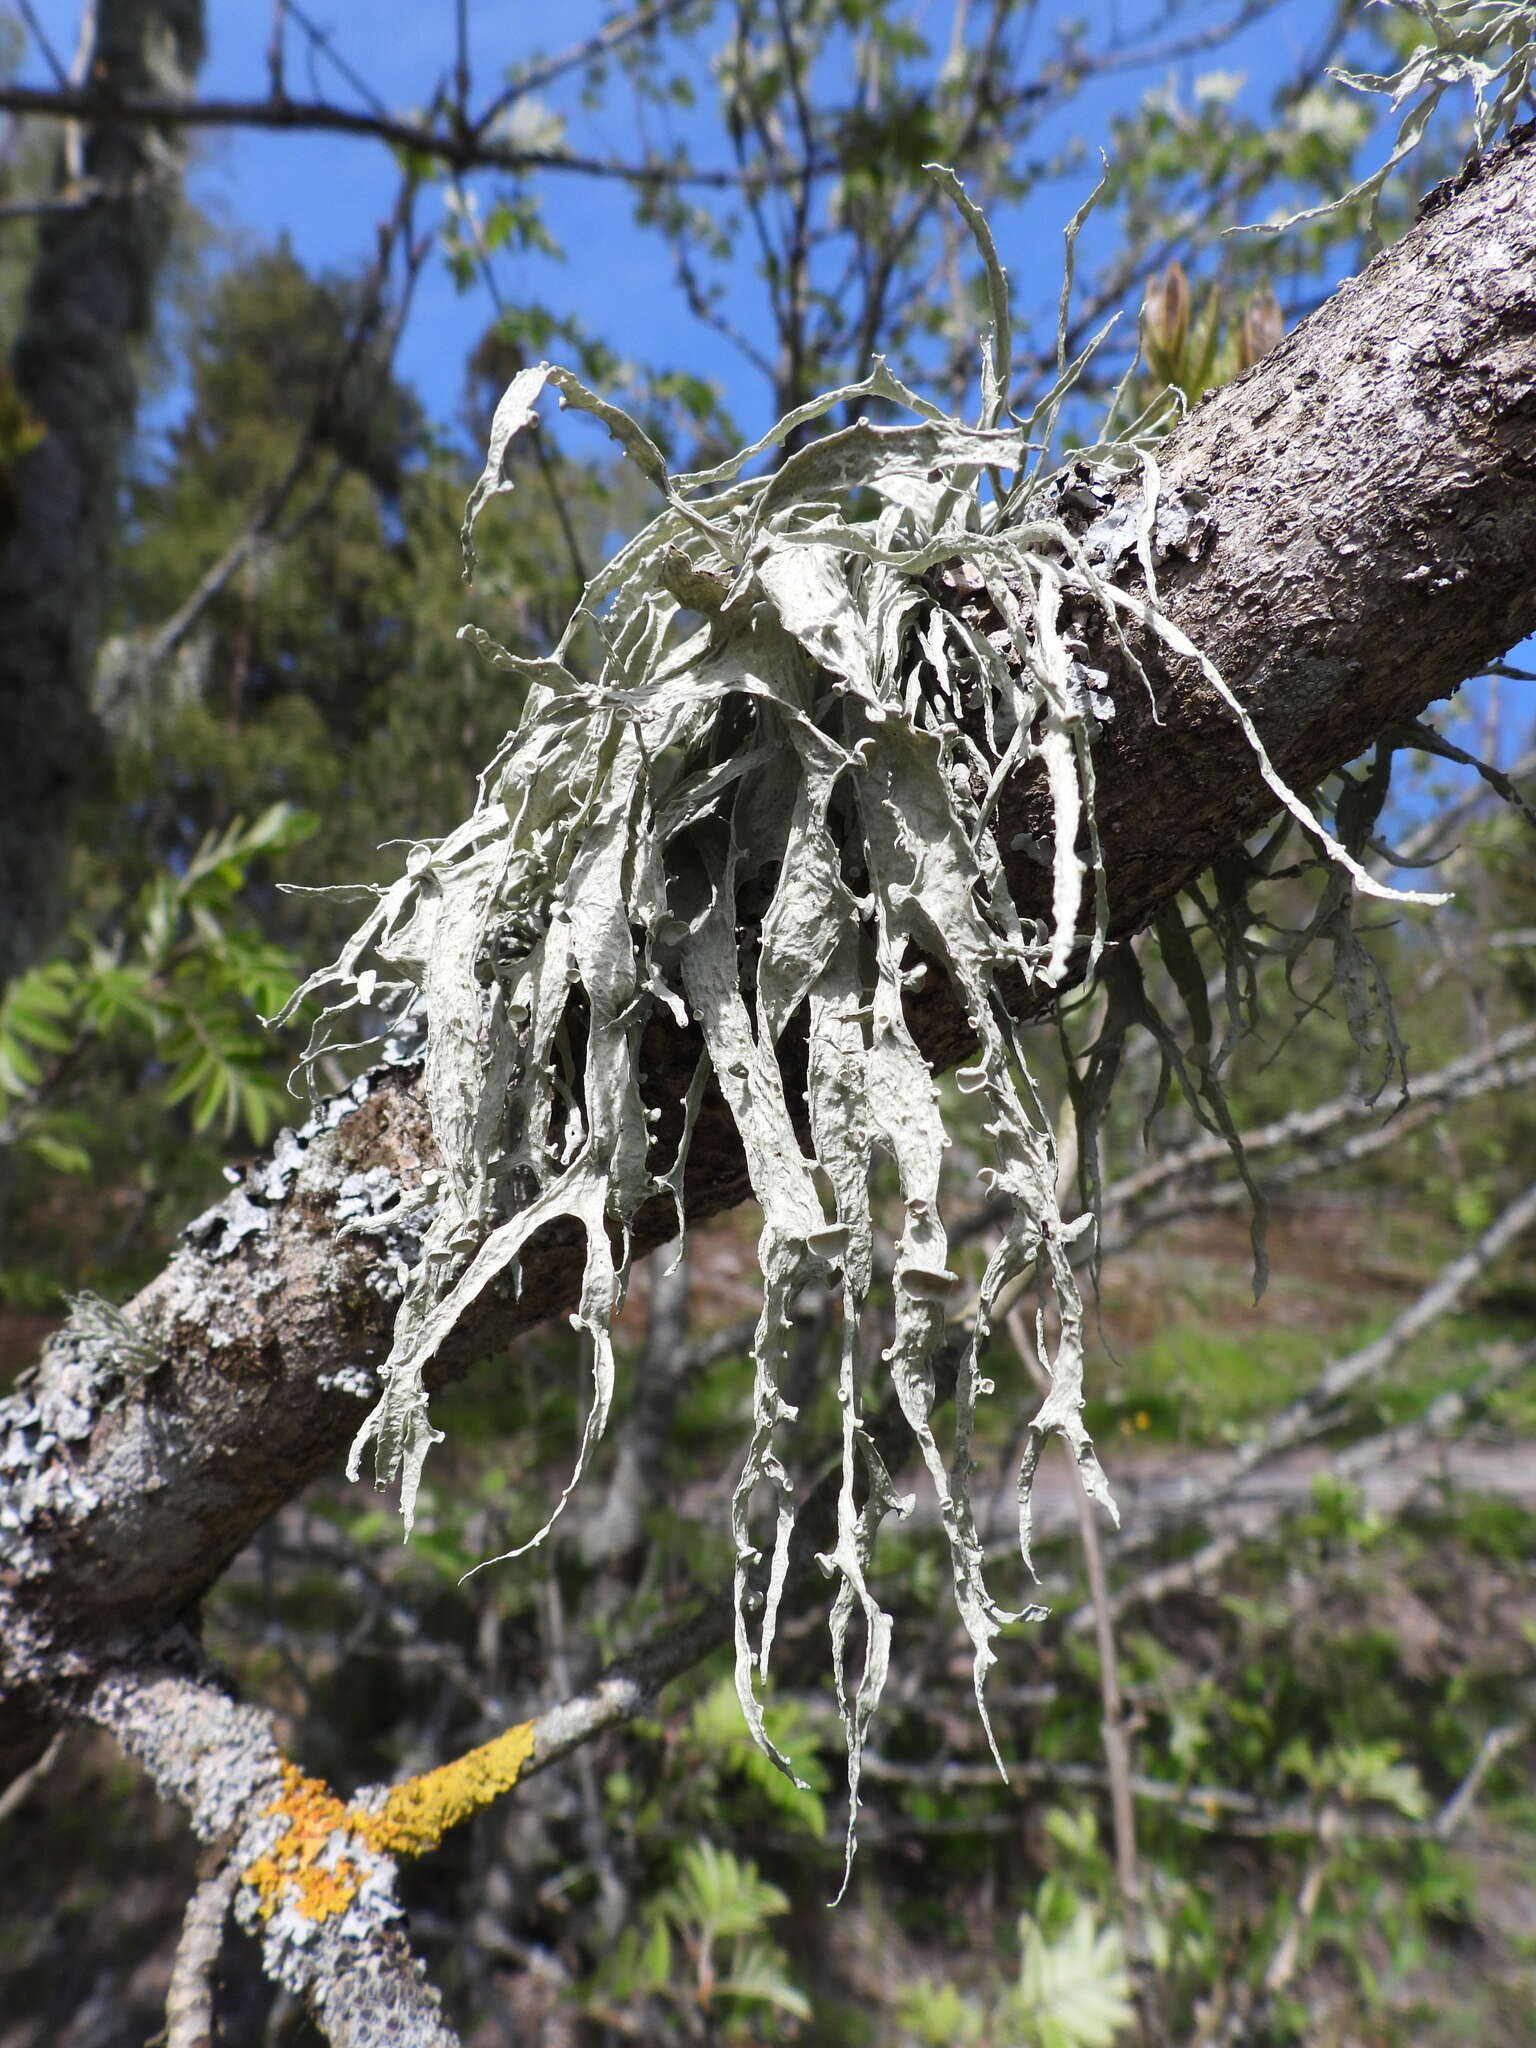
x,y
829,741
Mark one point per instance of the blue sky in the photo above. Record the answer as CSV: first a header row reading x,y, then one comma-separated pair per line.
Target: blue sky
x,y
326,192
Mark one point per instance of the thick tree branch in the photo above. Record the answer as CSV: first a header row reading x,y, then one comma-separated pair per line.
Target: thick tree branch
x,y
1361,519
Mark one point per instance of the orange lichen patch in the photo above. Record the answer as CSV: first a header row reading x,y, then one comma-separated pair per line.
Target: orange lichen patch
x,y
414,1818
416,1815
290,1872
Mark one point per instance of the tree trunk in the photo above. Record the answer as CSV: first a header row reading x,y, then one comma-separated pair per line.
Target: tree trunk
x,y
1364,524
89,305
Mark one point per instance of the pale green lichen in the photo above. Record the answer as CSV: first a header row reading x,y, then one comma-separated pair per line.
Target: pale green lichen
x,y
1486,47
764,819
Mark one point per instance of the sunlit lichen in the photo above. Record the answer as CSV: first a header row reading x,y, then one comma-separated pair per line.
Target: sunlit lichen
x,y
765,824
319,1863
306,1867
416,1815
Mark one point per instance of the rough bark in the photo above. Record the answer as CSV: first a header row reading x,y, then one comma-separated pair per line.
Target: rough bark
x,y
1364,543
1370,496
89,305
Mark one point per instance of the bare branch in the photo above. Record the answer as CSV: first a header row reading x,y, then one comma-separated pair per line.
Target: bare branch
x,y
461,58
51,56
189,2001
1493,1067
1176,1185
1431,742
144,658
1416,849
323,44
276,45
460,150
1114,1727
611,36
1457,1809
26,1782
1305,1416
1371,1456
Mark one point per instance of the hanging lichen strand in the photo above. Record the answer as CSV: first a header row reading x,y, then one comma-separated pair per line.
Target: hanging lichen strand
x,y
801,765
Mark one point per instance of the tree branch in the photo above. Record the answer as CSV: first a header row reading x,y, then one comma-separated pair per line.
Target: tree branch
x,y
1358,517
189,2021
460,148
221,1761
1357,1462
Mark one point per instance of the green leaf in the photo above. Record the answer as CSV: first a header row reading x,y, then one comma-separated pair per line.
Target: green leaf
x,y
64,1155
37,1015
1074,1990
720,1896
941,2017
757,1976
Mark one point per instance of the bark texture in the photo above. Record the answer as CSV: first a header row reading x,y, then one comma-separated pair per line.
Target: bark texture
x,y
1361,511
89,305
1354,532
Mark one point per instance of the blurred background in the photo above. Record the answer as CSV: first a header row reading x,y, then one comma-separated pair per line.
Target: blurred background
x,y
1312,1643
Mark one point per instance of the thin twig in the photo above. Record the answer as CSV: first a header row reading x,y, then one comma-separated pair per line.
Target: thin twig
x,y
162,644
1428,741
1209,1809
461,58
275,49
1283,1963
1310,1414
320,41
189,2001
1454,1082
51,56
1372,1454
606,39
1114,1728
1458,1807
26,1782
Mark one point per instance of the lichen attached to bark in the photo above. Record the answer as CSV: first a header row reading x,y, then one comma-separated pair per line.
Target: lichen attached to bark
x,y
777,819
327,1850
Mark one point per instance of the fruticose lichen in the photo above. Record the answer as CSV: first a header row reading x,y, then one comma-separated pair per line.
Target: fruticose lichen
x,y
779,820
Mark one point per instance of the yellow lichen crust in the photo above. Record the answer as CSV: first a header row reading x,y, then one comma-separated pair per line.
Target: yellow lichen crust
x,y
302,1871
291,1873
416,1815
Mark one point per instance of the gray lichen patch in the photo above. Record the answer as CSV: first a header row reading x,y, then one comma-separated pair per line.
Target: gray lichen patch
x,y
246,1213
93,1363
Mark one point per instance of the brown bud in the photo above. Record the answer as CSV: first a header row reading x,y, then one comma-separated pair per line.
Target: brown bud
x,y
1165,314
1263,328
